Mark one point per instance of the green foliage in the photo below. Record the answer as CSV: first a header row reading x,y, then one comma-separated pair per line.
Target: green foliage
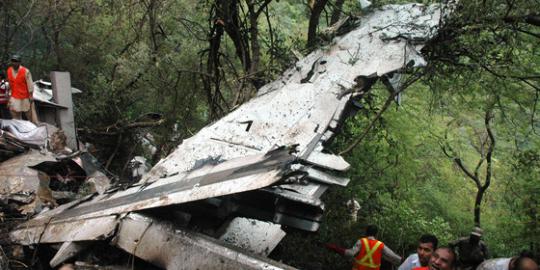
x,y
403,223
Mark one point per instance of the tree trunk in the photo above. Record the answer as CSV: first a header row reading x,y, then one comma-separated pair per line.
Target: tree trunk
x,y
229,12
211,84
336,12
484,157
477,205
255,49
316,10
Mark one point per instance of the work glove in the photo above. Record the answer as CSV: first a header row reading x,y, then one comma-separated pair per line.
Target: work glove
x,y
339,250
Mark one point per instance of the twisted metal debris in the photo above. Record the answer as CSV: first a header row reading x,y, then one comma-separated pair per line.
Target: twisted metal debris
x,y
239,166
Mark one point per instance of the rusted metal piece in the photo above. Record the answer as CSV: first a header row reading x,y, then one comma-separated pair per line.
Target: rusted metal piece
x,y
162,245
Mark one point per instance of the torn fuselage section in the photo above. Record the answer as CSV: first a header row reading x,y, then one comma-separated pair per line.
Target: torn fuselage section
x,y
234,168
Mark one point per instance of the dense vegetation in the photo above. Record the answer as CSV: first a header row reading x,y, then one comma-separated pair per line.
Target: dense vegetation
x,y
468,123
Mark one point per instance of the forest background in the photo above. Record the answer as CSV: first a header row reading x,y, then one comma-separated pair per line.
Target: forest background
x,y
466,132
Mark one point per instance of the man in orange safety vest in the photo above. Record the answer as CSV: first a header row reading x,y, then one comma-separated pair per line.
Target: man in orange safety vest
x,y
22,87
368,251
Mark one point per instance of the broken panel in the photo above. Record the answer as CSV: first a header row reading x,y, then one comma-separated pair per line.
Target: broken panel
x,y
253,235
161,244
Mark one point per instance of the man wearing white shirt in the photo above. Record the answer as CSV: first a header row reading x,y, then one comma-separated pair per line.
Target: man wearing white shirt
x,y
426,245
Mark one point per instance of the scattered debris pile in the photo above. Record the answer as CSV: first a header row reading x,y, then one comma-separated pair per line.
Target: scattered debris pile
x,y
39,172
224,196
17,136
44,172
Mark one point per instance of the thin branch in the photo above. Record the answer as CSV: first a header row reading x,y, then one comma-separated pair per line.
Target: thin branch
x,y
116,149
262,7
532,19
117,129
477,169
489,169
528,32
198,72
386,105
460,164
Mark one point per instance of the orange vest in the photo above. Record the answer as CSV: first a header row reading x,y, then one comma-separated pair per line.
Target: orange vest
x,y
370,255
421,268
19,88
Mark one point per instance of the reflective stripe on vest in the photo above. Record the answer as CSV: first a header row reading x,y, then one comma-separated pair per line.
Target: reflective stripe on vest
x,y
19,88
369,257
367,260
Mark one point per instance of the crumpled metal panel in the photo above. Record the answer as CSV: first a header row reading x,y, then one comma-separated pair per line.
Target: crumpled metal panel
x,y
307,102
22,182
379,45
257,236
65,231
233,176
320,176
328,161
161,244
16,179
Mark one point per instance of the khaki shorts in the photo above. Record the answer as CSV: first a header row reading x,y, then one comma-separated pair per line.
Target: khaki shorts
x,y
19,105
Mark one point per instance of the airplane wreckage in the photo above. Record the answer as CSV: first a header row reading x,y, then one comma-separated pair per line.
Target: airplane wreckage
x,y
260,167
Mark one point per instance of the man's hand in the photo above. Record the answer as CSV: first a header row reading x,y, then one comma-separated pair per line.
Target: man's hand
x,y
339,250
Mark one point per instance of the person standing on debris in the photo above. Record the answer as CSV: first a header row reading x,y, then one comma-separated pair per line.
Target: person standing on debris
x,y
471,250
22,87
427,244
525,261
368,251
4,97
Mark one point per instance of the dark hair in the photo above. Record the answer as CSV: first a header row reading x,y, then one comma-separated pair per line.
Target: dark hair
x,y
525,254
371,230
429,238
2,75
